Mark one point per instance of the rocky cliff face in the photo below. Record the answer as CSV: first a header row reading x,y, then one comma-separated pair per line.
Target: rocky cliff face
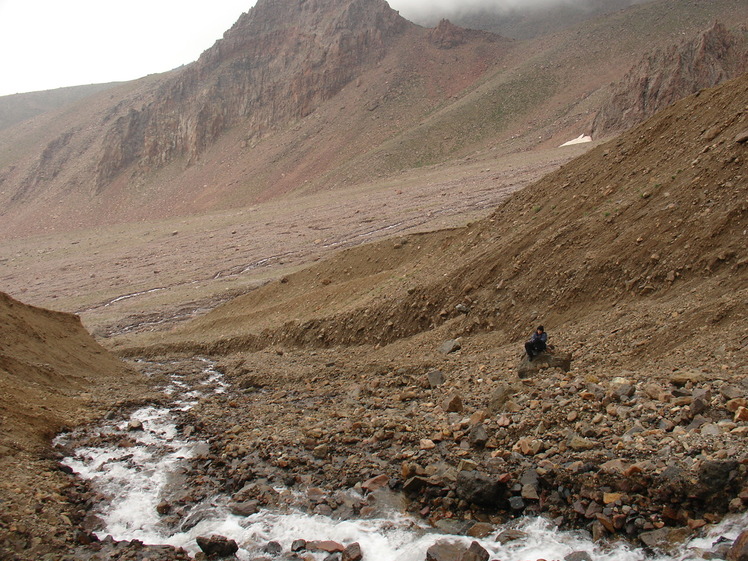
x,y
276,64
668,75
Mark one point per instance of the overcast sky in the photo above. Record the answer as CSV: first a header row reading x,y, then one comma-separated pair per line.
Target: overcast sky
x,y
46,44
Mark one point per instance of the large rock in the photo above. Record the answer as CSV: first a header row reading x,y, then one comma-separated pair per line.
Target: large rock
x,y
447,551
478,436
217,546
352,552
435,378
500,397
478,488
528,368
452,404
715,478
739,549
450,346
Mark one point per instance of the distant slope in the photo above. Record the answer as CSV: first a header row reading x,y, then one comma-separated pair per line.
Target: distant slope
x,y
20,107
667,75
298,98
649,228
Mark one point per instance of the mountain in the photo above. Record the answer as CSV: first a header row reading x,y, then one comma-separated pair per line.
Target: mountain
x,y
654,219
668,75
305,97
275,67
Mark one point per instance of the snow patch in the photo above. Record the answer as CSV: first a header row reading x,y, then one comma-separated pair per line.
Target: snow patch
x,y
581,139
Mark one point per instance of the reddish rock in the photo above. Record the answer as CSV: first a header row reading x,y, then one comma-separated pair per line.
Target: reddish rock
x,y
328,546
375,483
739,549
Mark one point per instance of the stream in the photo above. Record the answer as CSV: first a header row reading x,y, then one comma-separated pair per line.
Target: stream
x,y
134,462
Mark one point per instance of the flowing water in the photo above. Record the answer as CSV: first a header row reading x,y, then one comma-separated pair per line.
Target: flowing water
x,y
135,478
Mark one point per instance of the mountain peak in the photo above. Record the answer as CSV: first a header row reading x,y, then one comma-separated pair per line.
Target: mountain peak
x,y
279,62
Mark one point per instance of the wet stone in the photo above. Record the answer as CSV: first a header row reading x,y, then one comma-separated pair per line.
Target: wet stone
x,y
508,536
578,556
446,551
219,546
352,552
272,548
517,503
480,530
739,549
245,508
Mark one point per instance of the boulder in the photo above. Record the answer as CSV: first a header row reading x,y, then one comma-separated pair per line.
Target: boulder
x,y
739,549
528,368
375,483
352,552
578,556
499,397
272,548
244,508
217,546
415,484
452,404
450,346
664,539
328,546
478,436
478,488
447,551
508,536
480,530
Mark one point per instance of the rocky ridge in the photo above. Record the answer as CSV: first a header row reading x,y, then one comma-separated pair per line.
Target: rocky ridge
x,y
667,75
255,76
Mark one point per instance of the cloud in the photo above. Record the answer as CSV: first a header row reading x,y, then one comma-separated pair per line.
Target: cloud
x,y
431,9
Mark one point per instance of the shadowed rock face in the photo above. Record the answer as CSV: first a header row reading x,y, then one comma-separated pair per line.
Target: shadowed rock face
x,y
666,76
276,64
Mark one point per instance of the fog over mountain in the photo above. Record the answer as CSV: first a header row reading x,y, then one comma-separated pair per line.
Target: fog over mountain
x,y
427,11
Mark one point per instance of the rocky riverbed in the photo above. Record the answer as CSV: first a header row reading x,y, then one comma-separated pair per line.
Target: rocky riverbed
x,y
458,442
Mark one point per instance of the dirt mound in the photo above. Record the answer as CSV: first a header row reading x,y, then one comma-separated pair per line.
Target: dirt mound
x,y
658,214
52,373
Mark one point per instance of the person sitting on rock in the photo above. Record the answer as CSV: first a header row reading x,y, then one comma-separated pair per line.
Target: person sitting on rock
x,y
537,343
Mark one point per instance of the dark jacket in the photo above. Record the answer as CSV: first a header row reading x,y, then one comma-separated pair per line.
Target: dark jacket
x,y
542,338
